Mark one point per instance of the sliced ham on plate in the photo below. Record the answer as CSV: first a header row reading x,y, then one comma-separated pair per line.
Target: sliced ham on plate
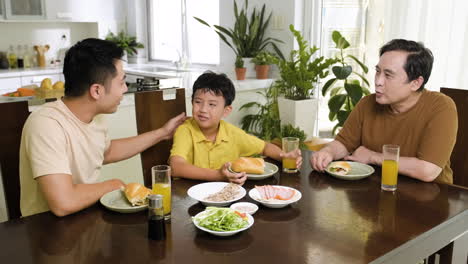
x,y
268,192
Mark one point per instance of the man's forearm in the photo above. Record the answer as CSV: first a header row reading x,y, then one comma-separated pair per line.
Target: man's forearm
x,y
336,149
413,167
64,197
124,148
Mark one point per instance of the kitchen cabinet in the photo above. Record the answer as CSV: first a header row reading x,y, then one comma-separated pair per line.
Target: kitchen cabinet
x,y
9,84
37,79
84,10
24,9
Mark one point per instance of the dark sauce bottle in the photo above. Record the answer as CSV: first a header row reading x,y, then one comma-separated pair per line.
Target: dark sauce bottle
x,y
156,226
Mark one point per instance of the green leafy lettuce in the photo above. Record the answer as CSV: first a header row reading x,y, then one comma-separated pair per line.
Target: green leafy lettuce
x,y
220,219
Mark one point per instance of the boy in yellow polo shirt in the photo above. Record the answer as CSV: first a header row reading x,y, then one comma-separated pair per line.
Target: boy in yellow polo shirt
x,y
204,145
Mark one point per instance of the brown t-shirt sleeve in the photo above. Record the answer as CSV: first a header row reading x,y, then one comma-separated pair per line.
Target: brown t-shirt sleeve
x,y
440,134
350,134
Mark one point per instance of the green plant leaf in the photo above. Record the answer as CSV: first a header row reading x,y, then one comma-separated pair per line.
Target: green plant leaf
x,y
354,91
342,72
363,67
249,105
363,78
340,41
327,85
336,90
202,21
342,116
332,116
336,102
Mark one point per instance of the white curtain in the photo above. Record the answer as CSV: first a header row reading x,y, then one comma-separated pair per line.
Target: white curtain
x,y
441,25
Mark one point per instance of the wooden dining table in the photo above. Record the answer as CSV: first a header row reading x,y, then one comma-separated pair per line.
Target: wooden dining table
x,y
336,221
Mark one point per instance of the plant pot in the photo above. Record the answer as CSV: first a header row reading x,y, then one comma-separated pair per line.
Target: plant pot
x,y
262,71
250,66
240,73
302,114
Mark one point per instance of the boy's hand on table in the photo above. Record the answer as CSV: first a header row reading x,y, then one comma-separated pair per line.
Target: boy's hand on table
x,y
233,177
295,154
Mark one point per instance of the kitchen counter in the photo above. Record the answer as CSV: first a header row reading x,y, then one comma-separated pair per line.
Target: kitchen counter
x,y
30,71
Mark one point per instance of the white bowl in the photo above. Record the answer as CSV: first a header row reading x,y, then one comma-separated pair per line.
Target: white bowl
x,y
225,233
245,207
254,194
200,191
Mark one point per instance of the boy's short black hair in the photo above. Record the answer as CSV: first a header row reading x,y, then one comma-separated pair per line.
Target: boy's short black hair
x,y
419,61
87,62
219,84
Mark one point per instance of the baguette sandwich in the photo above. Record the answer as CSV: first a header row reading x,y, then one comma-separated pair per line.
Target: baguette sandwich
x,y
136,194
249,165
340,167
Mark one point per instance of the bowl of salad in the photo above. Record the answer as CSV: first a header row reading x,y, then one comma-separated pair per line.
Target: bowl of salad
x,y
221,221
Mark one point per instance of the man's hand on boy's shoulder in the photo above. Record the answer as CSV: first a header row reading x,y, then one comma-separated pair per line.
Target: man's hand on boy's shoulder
x,y
170,127
233,177
295,154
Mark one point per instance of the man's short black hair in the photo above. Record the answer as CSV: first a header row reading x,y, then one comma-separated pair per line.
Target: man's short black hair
x,y
88,62
419,61
219,84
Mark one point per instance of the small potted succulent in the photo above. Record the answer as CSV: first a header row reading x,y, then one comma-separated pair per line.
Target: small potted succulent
x,y
262,61
240,69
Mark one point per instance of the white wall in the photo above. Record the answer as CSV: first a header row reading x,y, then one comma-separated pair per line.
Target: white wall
x,y
41,33
283,16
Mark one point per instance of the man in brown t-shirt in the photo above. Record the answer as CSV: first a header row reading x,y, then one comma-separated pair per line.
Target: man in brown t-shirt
x,y
423,123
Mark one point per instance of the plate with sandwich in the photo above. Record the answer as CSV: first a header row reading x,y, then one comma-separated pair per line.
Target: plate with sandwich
x,y
349,170
130,199
255,168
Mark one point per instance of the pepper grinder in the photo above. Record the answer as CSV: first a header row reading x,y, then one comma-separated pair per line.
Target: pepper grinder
x,y
156,226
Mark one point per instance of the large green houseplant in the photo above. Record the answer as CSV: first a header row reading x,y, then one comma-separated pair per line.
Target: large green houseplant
x,y
126,42
344,89
247,37
300,75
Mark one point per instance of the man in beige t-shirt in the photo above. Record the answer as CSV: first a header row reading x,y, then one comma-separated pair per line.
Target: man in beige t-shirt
x,y
65,143
423,123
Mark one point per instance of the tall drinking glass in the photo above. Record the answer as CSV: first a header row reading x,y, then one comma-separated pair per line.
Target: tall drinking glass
x,y
391,155
289,144
161,180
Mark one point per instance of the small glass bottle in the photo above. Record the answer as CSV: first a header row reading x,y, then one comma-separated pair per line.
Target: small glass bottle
x,y
12,58
20,57
27,56
156,226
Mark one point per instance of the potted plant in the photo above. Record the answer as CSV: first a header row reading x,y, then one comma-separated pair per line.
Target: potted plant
x,y
240,70
247,37
262,61
299,77
126,42
345,91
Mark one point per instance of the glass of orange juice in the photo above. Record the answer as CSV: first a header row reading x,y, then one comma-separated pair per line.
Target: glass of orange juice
x,y
289,144
391,154
161,180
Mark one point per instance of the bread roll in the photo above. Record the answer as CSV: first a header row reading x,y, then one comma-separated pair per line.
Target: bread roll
x,y
249,165
136,193
340,167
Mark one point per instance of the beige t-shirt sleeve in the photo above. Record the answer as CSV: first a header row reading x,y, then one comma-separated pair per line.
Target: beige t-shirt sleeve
x,y
350,134
46,147
440,133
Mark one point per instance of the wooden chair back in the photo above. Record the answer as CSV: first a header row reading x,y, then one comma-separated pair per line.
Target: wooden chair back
x,y
459,157
153,110
12,119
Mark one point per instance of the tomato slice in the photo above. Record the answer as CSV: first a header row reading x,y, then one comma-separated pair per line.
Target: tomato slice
x,y
240,214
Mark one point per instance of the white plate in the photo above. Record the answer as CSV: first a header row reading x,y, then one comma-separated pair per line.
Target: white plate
x,y
358,171
245,207
270,170
116,201
226,233
254,194
200,191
